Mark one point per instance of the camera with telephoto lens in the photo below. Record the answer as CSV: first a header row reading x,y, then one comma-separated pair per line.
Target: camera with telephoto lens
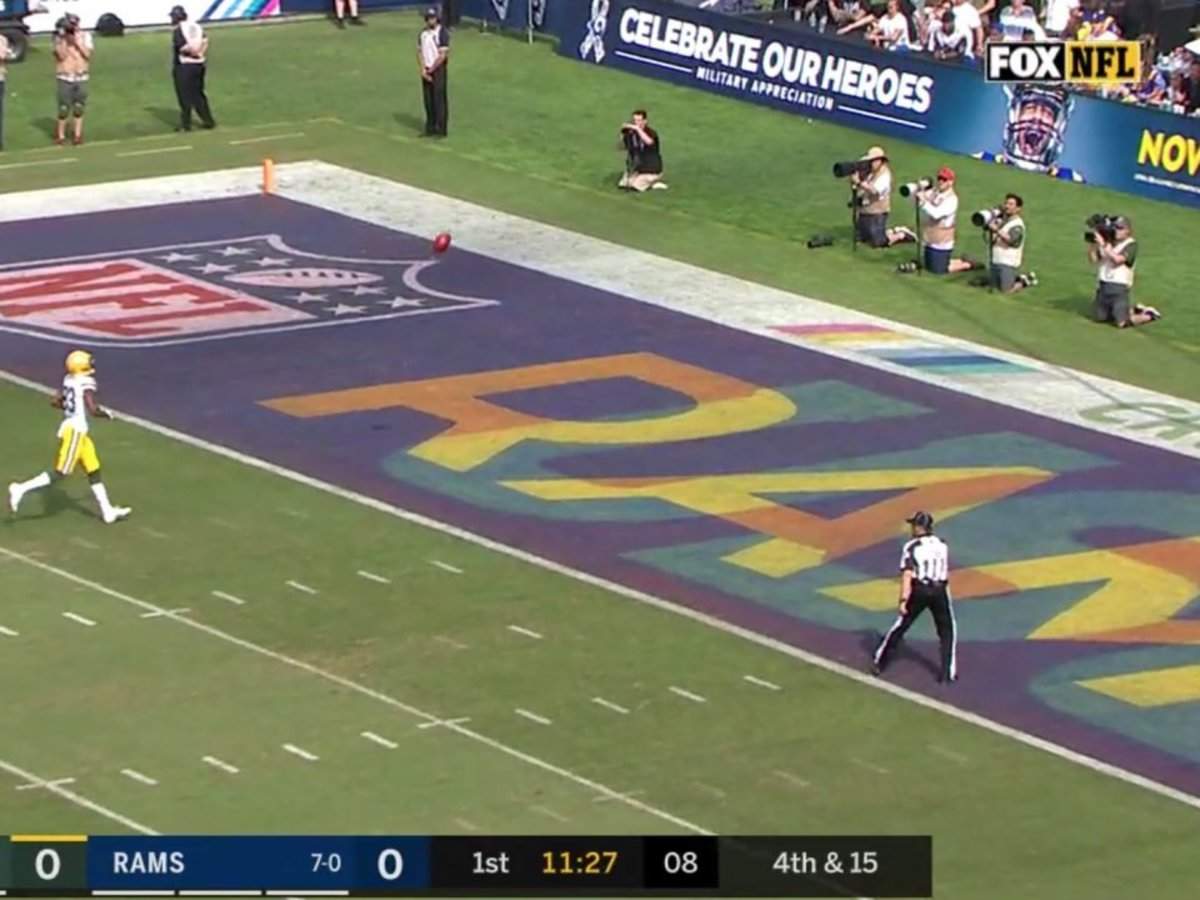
x,y
1103,225
985,217
67,25
913,187
851,167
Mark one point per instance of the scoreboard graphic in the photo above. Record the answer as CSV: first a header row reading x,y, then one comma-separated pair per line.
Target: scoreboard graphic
x,y
341,866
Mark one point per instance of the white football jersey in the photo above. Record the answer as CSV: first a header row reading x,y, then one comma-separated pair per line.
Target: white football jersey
x,y
74,406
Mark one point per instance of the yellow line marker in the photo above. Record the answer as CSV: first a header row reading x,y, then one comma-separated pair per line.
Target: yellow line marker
x,y
48,838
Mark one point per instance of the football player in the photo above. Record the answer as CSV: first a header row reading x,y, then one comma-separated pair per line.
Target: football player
x,y
77,400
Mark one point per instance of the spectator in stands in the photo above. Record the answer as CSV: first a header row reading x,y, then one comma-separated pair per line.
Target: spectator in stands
x,y
1057,12
968,20
1153,89
928,18
1192,99
1076,29
864,20
1176,98
950,42
1097,22
1018,18
890,31
816,13
845,12
339,9
643,155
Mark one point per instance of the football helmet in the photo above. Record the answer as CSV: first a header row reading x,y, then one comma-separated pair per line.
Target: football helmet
x,y
80,362
1036,126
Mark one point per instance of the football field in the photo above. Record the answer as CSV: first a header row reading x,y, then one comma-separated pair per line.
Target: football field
x,y
449,544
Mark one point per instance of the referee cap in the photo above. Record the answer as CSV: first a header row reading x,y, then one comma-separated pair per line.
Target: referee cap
x,y
922,519
432,13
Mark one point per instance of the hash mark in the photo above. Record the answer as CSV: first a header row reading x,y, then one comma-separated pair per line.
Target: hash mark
x,y
371,576
949,754
525,631
381,741
688,695
302,588
220,764
221,595
878,770
8,632
450,642
608,704
769,685
138,776
531,716
303,754
791,778
465,825
445,566
78,618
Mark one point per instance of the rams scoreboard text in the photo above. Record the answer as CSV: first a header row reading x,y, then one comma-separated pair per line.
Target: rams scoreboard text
x,y
33,865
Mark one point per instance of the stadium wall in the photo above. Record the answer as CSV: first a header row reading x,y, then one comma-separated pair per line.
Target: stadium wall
x,y
1072,136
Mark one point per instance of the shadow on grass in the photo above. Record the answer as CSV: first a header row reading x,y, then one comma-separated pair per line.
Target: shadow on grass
x,y
408,121
166,115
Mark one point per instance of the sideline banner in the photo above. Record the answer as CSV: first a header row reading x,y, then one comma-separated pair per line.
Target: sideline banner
x,y
1034,127
148,12
517,15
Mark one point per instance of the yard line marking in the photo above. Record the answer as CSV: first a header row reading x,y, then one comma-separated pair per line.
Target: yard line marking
x,y
221,595
302,588
75,798
41,162
710,789
166,612
466,825
74,617
138,776
769,685
532,716
445,566
695,698
791,778
220,764
608,704
300,752
525,631
371,576
8,632
381,741
85,543
547,811
949,754
36,785
870,766
447,722
267,137
155,150
450,642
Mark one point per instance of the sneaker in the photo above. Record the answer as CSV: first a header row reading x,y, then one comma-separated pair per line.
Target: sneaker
x,y
78,141
907,233
1150,311
907,268
116,514
659,186
1030,279
876,670
14,497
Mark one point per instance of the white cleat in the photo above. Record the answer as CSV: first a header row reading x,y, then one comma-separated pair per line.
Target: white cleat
x,y
116,514
14,497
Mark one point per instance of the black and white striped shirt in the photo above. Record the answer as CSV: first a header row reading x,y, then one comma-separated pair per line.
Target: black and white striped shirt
x,y
928,558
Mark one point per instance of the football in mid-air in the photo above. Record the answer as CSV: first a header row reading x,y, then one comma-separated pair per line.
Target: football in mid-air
x,y
304,278
441,243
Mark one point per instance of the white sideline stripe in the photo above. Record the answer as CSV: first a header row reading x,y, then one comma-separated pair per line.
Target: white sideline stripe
x,y
77,799
220,764
302,588
445,567
371,576
74,617
381,741
547,811
138,776
829,665
268,137
443,722
608,704
9,632
155,150
166,612
525,631
36,785
221,595
769,685
301,752
688,695
532,716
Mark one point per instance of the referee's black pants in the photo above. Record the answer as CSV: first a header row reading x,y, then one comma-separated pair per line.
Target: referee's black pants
x,y
189,91
935,598
437,101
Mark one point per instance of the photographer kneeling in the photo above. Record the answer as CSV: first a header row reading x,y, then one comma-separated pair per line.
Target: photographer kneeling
x,y
1006,236
871,180
937,206
643,155
1112,247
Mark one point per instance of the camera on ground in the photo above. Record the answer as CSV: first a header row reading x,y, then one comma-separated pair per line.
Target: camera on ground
x,y
1103,225
913,187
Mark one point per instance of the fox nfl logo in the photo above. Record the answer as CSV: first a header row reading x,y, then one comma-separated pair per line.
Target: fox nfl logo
x,y
1064,62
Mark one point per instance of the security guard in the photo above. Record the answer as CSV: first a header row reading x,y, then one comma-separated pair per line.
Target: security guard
x,y
189,55
433,50
5,55
924,584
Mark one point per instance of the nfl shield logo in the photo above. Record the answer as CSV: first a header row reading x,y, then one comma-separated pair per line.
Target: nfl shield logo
x,y
208,291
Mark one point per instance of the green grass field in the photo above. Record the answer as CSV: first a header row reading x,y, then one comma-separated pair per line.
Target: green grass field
x,y
531,134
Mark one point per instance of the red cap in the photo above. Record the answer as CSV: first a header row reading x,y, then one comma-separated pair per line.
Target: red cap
x,y
946,173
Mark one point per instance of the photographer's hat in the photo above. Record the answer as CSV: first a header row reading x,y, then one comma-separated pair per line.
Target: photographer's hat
x,y
946,173
921,519
1122,222
874,153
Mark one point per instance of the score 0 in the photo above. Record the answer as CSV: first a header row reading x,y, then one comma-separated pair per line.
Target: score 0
x,y
387,864
54,865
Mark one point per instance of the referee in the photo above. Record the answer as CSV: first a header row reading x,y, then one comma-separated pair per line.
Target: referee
x,y
189,52
924,584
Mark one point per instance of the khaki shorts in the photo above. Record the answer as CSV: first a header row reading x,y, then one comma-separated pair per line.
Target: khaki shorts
x,y
640,181
72,97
